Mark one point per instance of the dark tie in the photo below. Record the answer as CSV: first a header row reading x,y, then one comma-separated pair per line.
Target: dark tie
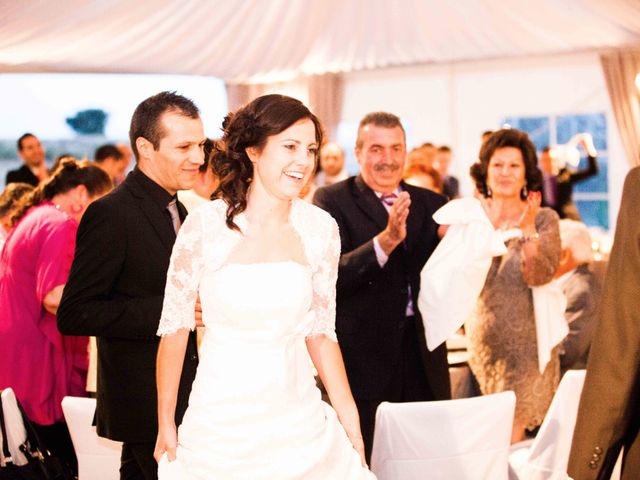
x,y
388,198
175,216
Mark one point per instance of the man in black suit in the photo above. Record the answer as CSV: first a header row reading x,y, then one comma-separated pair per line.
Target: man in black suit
x,y
557,191
582,289
387,234
117,280
34,170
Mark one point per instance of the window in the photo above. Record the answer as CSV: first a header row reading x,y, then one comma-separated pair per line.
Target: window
x,y
591,196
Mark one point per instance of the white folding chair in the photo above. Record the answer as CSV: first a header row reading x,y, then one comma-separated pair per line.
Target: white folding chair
x,y
98,458
547,457
454,439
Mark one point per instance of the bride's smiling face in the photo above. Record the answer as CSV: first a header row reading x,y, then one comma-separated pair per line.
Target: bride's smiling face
x,y
285,164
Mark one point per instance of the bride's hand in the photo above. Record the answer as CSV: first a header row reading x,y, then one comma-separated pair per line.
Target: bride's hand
x,y
167,442
358,445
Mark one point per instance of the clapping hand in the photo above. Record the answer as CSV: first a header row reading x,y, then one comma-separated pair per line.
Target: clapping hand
x,y
396,229
528,221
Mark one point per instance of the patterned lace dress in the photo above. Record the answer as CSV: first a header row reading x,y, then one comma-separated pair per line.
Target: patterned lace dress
x,y
255,411
502,332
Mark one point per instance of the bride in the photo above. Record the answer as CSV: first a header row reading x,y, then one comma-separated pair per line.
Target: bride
x,y
265,266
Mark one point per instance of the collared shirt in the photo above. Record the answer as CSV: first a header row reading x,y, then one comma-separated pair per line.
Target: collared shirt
x,y
157,193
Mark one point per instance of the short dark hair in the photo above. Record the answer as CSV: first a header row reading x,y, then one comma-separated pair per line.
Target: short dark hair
x,y
105,151
145,121
251,126
22,138
444,148
507,137
379,119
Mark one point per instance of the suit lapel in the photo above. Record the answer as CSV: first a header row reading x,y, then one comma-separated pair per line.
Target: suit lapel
x,y
416,217
369,203
153,213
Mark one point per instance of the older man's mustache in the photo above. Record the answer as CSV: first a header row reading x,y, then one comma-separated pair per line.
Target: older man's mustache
x,y
388,167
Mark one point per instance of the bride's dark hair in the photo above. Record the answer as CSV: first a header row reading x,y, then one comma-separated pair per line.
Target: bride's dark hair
x,y
251,126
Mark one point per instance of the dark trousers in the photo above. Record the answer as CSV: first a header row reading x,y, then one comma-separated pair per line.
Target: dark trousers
x,y
137,462
57,439
409,384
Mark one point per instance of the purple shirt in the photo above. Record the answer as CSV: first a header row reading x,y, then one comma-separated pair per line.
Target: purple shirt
x,y
41,365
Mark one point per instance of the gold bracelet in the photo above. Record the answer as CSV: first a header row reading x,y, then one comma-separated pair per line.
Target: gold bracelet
x,y
532,237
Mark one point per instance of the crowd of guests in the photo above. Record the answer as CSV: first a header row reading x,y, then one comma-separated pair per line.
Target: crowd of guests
x,y
385,213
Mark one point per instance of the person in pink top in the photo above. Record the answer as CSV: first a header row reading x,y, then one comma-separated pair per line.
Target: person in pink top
x,y
40,364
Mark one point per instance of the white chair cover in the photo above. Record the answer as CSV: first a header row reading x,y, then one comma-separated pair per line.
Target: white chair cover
x,y
452,439
547,457
98,458
16,433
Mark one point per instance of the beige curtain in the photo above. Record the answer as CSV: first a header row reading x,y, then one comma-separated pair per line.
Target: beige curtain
x,y
321,93
620,69
325,100
239,94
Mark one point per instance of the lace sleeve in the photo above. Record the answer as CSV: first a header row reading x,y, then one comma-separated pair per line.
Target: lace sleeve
x,y
183,278
324,285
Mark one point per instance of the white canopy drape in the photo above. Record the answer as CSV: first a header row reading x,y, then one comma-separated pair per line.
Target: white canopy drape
x,y
274,40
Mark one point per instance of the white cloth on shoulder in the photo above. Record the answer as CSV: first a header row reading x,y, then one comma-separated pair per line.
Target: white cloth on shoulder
x,y
453,278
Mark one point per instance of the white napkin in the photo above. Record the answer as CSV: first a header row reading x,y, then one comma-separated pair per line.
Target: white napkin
x,y
454,275
549,305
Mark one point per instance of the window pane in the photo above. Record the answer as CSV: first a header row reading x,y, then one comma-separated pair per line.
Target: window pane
x,y
595,213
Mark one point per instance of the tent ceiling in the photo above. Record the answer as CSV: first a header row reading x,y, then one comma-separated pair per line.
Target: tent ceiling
x,y
270,40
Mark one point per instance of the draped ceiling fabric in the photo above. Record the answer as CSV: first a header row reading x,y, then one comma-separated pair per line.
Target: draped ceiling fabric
x,y
264,41
620,70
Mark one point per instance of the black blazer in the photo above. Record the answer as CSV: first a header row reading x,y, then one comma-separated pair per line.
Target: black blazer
x,y
23,175
115,292
372,300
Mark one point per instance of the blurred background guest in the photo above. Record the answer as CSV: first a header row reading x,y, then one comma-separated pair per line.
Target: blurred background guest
x,y
502,328
420,175
582,289
450,184
41,365
111,159
34,168
9,198
206,181
559,179
332,165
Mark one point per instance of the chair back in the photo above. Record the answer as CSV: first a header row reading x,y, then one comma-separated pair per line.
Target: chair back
x,y
462,439
547,457
16,432
98,458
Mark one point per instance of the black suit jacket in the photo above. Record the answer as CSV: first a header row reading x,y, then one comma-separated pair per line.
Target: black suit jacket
x,y
115,292
23,175
372,300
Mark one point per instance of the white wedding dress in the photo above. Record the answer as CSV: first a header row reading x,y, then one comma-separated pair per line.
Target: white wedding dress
x,y
254,410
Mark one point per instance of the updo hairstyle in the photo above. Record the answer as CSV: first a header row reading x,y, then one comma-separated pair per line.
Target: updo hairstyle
x,y
68,175
251,126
